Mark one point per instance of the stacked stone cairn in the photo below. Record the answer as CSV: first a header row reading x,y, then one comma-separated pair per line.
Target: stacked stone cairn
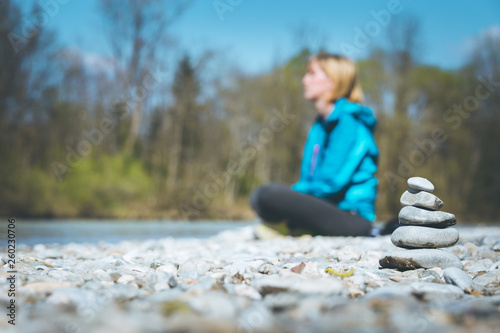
x,y
424,230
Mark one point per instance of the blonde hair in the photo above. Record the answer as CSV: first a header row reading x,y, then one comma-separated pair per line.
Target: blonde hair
x,y
342,71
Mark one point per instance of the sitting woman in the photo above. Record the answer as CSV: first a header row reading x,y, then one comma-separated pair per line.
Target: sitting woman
x,y
335,195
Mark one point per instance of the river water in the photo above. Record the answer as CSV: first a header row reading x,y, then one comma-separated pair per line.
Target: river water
x,y
32,232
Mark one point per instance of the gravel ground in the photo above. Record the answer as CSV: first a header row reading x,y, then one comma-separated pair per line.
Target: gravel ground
x,y
233,283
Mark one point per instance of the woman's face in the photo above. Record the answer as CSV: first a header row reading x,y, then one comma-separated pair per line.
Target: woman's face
x,y
317,85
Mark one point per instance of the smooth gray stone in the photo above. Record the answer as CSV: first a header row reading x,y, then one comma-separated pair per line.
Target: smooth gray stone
x,y
421,199
480,266
159,276
388,292
191,275
436,293
458,277
71,295
166,295
410,215
413,237
49,254
421,184
204,284
214,305
421,258
268,269
271,284
5,260
283,300
119,293
488,283
430,275
63,275
475,308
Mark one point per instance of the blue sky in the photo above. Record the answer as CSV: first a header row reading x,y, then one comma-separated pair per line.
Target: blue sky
x,y
256,33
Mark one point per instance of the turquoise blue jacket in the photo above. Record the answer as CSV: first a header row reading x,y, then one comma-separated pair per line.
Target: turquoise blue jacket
x,y
340,159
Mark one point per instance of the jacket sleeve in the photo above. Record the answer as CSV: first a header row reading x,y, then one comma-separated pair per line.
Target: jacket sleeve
x,y
347,147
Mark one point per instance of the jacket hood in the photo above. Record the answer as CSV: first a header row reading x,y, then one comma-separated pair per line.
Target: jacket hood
x,y
361,113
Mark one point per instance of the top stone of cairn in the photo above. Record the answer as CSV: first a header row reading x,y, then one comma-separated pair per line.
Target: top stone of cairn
x,y
421,184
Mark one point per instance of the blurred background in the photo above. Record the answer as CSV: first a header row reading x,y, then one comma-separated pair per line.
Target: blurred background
x,y
177,109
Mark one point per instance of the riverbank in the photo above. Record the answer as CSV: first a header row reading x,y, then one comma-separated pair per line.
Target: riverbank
x,y
232,283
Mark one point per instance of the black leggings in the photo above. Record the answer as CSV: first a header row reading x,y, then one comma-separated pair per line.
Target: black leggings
x,y
277,202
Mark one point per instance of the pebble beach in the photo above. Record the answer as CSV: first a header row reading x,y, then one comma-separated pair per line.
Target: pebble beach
x,y
232,282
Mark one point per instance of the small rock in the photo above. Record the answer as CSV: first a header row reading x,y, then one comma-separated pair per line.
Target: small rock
x,y
389,292
488,283
327,286
414,273
188,266
436,293
115,276
490,240
170,279
479,266
155,264
214,305
349,253
71,295
459,278
460,251
168,268
101,275
166,295
92,285
421,199
410,215
421,184
245,267
247,291
5,260
493,255
430,275
161,286
50,254
414,237
205,283
126,278
267,269
472,248
119,292
190,276
298,269
355,292
496,247
312,271
421,258
474,308
438,270
63,275
45,286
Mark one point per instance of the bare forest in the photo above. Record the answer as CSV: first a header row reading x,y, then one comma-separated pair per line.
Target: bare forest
x,y
135,137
